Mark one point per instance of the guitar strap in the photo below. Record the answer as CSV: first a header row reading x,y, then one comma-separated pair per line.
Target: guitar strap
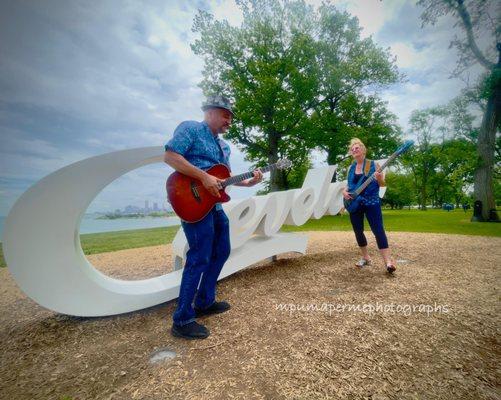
x,y
366,170
367,167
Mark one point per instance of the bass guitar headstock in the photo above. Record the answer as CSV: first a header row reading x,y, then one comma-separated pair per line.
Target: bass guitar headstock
x,y
406,146
284,163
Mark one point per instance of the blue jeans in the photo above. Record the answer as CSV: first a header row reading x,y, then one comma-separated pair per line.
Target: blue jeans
x,y
375,218
209,241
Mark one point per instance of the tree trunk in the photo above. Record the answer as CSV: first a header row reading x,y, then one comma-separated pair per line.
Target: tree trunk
x,y
283,180
275,178
483,188
332,159
423,195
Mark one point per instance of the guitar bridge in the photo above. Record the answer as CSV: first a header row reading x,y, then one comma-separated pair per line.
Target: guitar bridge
x,y
194,191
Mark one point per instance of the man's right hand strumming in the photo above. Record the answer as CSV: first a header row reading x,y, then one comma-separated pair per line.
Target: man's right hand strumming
x,y
179,163
212,184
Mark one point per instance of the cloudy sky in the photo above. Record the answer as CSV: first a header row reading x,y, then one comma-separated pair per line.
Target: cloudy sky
x,y
83,78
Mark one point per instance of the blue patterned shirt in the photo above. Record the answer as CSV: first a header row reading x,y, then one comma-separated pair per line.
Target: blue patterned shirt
x,y
195,142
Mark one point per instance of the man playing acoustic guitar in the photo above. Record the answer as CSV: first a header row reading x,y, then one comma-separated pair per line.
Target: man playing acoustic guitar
x,y
194,148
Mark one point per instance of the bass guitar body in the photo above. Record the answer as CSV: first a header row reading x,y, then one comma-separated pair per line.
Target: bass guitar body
x,y
190,200
352,205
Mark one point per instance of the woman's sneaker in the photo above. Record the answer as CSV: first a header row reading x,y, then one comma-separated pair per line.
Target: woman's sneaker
x,y
363,262
391,268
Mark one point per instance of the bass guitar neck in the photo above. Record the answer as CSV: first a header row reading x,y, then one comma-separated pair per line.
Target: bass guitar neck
x,y
352,205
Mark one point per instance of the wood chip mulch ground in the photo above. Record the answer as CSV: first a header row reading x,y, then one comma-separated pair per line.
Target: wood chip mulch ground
x,y
286,335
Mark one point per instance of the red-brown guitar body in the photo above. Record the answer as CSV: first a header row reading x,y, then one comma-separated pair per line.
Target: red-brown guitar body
x,y
190,200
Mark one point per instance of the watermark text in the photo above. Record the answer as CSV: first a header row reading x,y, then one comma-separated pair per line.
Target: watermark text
x,y
370,308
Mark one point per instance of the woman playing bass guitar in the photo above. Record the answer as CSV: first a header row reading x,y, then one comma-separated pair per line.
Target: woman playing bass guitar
x,y
370,205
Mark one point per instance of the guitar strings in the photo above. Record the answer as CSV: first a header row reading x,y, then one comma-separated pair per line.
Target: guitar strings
x,y
264,170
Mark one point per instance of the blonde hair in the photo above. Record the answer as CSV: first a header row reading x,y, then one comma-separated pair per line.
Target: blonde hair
x,y
359,142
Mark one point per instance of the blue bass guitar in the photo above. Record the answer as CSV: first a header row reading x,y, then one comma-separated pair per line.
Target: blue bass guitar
x,y
352,205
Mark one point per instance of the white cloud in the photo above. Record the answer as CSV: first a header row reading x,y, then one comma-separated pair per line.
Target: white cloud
x,y
410,96
407,56
371,14
228,10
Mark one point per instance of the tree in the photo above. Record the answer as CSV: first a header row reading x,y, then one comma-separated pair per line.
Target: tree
x,y
423,159
266,66
283,65
349,67
365,117
454,172
473,17
443,162
400,191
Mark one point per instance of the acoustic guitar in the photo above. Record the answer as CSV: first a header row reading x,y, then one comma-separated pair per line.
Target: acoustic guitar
x,y
352,205
191,201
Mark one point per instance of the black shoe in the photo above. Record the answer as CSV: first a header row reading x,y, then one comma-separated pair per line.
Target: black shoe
x,y
390,268
217,308
193,330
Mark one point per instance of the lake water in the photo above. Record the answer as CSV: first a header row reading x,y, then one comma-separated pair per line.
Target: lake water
x,y
92,225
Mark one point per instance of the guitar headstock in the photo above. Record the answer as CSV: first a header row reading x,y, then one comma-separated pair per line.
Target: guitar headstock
x,y
284,163
406,146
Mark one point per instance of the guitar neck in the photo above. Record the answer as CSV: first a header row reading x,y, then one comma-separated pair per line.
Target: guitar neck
x,y
247,175
362,187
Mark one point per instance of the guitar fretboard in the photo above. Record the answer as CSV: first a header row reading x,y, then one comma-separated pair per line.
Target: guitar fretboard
x,y
247,175
361,188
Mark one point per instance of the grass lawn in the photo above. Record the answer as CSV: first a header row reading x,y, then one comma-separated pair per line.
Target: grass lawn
x,y
435,221
93,243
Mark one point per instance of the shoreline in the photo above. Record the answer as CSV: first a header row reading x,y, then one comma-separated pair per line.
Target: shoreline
x,y
412,221
91,225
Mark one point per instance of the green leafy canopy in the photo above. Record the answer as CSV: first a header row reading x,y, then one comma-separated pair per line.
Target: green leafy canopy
x,y
301,78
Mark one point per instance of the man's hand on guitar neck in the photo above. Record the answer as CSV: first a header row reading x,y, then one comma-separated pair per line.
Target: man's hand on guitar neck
x,y
258,177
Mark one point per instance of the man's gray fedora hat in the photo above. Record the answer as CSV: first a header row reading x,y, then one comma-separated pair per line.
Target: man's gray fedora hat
x,y
217,101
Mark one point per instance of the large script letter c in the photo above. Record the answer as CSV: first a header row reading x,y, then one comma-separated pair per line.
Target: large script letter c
x,y
42,242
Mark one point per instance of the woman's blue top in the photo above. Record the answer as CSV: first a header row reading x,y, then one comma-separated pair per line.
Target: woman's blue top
x,y
370,195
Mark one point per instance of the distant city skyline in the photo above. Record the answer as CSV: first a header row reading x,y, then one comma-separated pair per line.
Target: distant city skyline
x,y
135,209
